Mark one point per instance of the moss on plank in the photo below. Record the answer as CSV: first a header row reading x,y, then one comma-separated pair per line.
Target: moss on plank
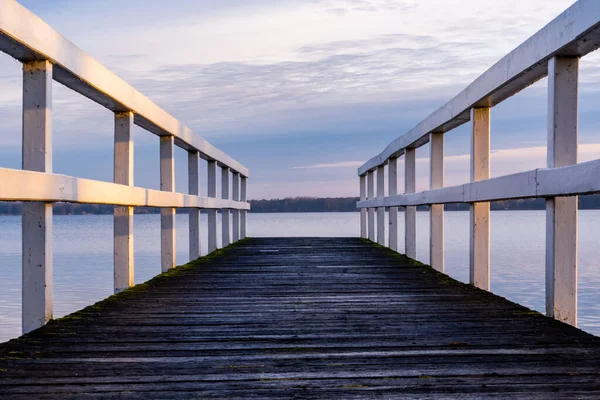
x,y
426,269
486,297
90,312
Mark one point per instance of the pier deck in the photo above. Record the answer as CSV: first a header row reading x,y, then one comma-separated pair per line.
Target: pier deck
x,y
303,318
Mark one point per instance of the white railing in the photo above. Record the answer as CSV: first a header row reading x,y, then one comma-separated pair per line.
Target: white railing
x,y
46,55
554,52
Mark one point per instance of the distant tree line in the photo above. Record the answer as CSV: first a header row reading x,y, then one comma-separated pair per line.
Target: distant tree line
x,y
14,208
305,204
299,205
348,204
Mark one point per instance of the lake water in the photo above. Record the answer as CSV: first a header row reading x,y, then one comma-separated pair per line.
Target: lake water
x,y
83,255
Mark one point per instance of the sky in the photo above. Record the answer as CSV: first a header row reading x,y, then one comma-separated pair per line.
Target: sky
x,y
302,92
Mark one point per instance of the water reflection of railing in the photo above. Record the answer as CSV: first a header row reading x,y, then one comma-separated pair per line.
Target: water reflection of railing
x,y
47,56
554,52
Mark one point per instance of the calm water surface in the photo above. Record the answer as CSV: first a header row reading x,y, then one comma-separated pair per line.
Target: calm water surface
x,y
83,255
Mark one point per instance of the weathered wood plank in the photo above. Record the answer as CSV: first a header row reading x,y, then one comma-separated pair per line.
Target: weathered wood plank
x,y
303,318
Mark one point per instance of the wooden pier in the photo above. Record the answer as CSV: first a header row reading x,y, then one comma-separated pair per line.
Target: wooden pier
x,y
303,318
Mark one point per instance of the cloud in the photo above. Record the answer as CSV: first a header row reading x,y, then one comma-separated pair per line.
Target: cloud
x,y
341,164
238,98
254,94
343,7
231,99
360,73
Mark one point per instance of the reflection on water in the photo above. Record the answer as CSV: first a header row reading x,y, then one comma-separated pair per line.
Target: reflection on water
x,y
83,255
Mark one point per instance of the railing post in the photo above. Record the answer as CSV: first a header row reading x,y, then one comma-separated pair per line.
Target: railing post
x,y
123,216
226,237
236,213
37,300
410,213
167,215
212,213
243,212
561,212
194,213
392,191
479,215
436,211
363,211
381,210
371,211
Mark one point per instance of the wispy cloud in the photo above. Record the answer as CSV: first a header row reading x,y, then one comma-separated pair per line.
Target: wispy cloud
x,y
401,52
239,74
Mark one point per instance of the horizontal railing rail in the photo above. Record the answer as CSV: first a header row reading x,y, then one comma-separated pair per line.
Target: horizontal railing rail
x,y
554,52
46,187
541,182
46,56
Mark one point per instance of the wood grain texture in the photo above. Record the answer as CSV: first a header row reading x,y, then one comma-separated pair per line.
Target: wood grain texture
x,y
303,318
